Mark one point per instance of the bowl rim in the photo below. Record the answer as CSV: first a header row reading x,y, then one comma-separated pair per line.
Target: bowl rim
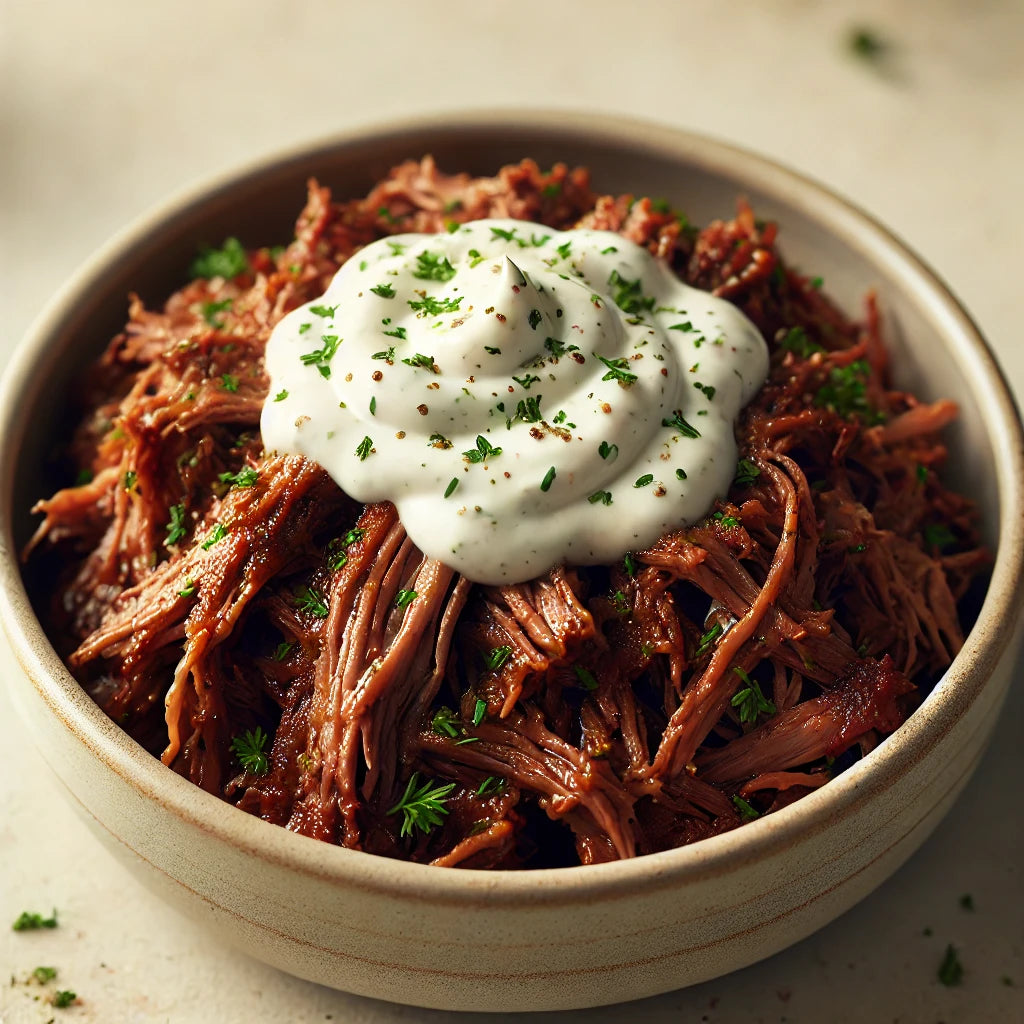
x,y
756,841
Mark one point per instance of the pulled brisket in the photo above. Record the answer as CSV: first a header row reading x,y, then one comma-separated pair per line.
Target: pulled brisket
x,y
213,591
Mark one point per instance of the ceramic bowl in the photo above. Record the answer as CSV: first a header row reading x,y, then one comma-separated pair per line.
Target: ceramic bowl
x,y
547,939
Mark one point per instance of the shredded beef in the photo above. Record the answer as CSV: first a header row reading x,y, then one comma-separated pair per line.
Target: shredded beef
x,y
213,591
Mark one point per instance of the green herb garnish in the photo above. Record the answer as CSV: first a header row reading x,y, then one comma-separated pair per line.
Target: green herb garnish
x,y
628,295
498,656
747,811
951,971
308,599
219,532
585,678
483,451
229,261
245,477
422,806
750,701
432,307
678,423
618,370
211,309
479,710
249,749
433,267
28,921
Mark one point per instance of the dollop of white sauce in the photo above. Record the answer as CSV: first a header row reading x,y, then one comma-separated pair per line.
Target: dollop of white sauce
x,y
524,396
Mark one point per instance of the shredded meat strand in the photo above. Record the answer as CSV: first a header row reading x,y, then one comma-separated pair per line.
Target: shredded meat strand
x,y
205,591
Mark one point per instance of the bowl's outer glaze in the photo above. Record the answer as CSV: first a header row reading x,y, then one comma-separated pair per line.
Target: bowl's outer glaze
x,y
548,939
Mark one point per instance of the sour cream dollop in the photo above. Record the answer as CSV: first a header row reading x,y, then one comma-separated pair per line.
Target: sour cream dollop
x,y
524,396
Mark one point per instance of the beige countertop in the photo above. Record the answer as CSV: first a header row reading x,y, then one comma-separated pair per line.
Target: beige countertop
x,y
105,108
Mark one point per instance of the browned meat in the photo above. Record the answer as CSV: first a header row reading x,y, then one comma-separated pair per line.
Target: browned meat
x,y
296,654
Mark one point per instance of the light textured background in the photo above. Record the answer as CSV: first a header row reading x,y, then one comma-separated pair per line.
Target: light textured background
x,y
106,107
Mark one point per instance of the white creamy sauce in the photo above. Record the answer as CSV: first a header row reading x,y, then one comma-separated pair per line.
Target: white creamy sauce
x,y
524,396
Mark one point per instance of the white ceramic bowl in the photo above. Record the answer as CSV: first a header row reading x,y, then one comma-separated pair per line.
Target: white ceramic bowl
x,y
555,938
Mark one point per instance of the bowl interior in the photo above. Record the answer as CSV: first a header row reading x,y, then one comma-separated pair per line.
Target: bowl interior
x,y
936,350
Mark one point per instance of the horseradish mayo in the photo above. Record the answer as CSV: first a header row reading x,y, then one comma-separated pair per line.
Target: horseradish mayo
x,y
524,396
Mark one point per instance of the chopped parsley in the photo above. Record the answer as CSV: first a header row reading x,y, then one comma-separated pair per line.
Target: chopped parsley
x,y
747,811
397,332
308,599
405,598
951,971
422,806
432,307
432,267
327,312
446,723
483,450
44,974
364,449
559,348
420,360
643,481
211,309
938,535
707,640
535,318
129,479
189,589
746,473
245,477
528,410
865,44
750,702
28,921
388,355
585,678
219,532
228,382
628,295
320,357
498,656
479,710
796,340
491,786
385,291
604,497
618,369
452,484
64,998
549,478
607,451
249,749
282,650
678,423
525,382
229,261
281,395
845,392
